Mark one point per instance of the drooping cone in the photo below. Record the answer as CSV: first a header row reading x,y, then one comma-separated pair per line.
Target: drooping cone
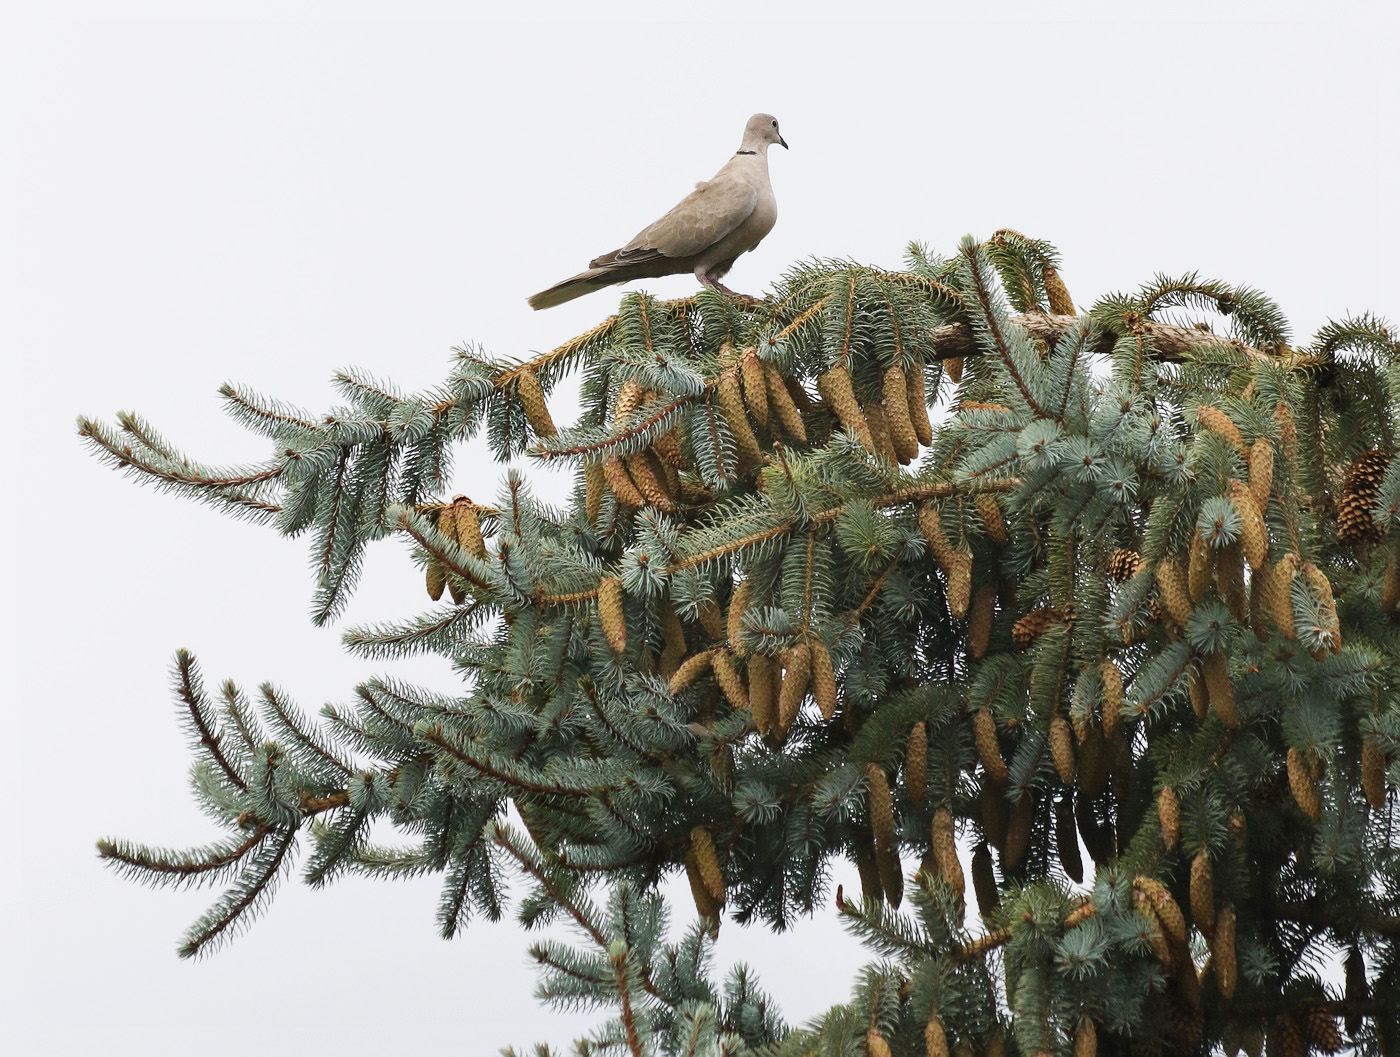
x,y
1202,894
1261,472
690,670
1169,815
734,618
1035,624
1200,564
763,693
935,1038
781,405
880,805
727,676
1254,533
1164,906
960,583
1286,1038
1062,305
707,861
1196,691
875,1044
755,385
1287,432
836,389
916,762
1222,951
984,731
796,678
1279,594
621,484
1304,788
1018,831
1219,423
1112,697
649,484
1221,690
945,851
979,624
1320,1027
1373,772
1357,989
896,405
918,402
1363,484
823,679
1123,564
1171,585
931,525
533,403
436,578
984,881
731,404
1062,748
629,398
611,613
993,520
595,483
468,526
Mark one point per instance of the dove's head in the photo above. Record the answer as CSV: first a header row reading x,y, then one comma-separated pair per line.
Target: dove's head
x,y
762,130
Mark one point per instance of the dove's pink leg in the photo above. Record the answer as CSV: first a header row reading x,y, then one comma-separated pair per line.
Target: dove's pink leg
x,y
707,280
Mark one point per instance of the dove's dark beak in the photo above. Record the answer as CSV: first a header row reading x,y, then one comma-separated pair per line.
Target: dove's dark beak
x,y
782,142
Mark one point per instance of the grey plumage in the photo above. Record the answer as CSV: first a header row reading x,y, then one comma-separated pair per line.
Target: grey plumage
x,y
704,233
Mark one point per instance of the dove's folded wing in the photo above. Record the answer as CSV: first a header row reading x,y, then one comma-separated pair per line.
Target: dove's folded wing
x,y
697,222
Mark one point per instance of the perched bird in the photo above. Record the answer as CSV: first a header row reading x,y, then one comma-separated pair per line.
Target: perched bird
x,y
705,233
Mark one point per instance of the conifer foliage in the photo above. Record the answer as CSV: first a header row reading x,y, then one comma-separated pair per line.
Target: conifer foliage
x,y
1128,596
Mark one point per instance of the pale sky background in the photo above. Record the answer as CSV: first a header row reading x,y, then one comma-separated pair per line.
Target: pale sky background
x,y
264,192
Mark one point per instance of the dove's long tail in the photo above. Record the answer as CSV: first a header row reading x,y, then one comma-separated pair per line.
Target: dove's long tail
x,y
583,283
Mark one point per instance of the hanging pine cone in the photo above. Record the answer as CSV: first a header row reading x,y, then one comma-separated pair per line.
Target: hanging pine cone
x,y
1286,1038
1037,622
1320,1027
1363,484
1123,564
1169,814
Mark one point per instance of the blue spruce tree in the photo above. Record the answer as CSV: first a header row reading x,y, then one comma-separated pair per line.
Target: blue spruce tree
x,y
1094,674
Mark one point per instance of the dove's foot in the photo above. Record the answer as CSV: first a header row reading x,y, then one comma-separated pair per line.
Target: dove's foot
x,y
715,284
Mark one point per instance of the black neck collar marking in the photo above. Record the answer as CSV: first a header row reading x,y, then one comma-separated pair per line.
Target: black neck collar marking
x,y
746,152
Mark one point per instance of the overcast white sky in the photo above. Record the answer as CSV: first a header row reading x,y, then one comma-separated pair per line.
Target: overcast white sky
x,y
264,192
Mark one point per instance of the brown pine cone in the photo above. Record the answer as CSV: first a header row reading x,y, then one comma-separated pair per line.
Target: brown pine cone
x,y
1362,486
1035,624
1218,422
532,401
1261,472
984,734
1202,894
1169,814
1304,788
916,762
1320,1027
1123,564
611,614
1373,772
945,850
1222,951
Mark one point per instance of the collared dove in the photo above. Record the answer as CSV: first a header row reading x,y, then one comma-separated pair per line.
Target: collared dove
x,y
704,233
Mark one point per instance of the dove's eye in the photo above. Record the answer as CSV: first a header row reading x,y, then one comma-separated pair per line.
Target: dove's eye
x,y
775,124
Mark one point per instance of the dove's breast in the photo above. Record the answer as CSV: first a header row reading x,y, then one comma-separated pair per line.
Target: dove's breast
x,y
743,238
